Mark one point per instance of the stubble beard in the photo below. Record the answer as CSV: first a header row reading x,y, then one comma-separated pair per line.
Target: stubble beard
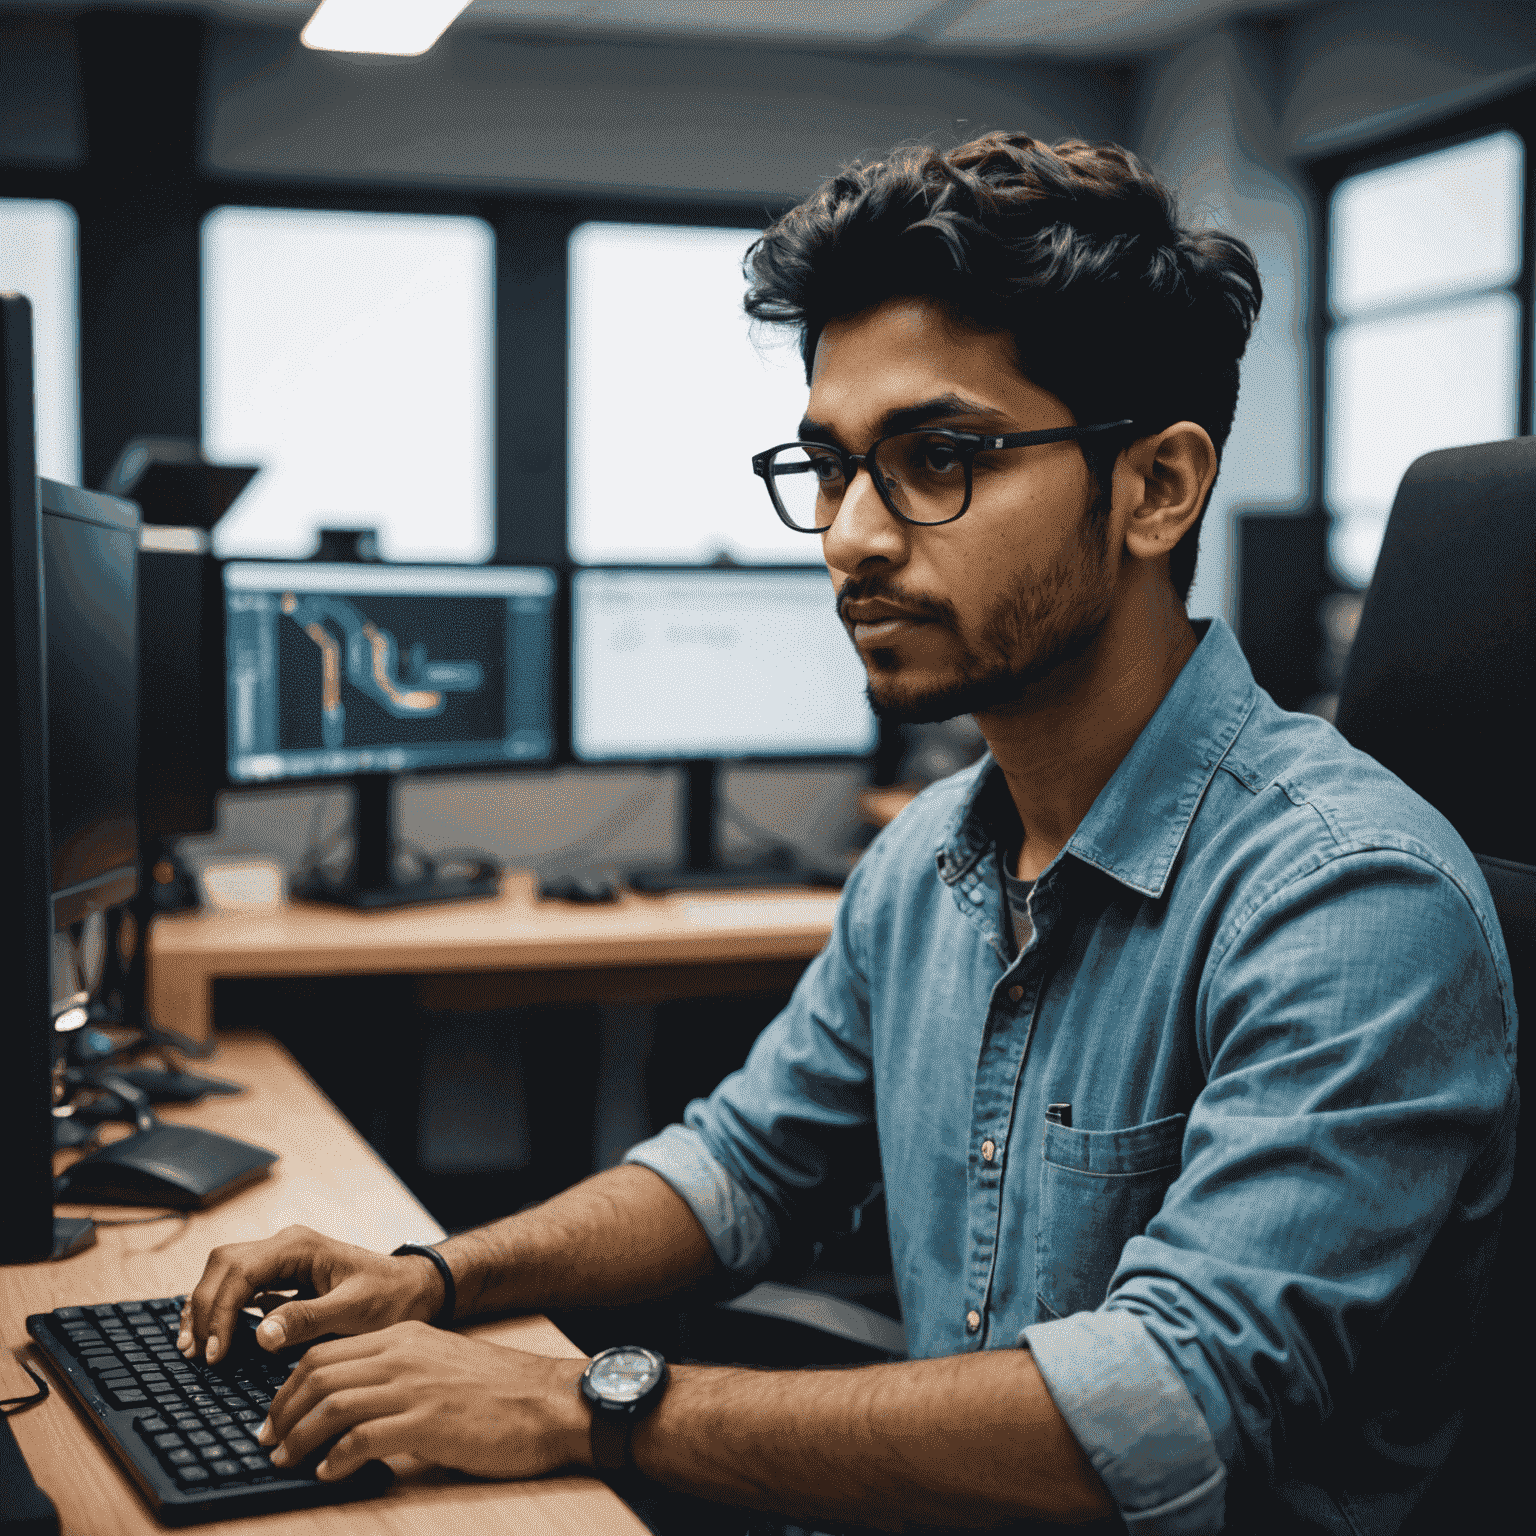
x,y
1046,622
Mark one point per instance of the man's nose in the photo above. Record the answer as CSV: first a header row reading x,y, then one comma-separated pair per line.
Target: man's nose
x,y
864,529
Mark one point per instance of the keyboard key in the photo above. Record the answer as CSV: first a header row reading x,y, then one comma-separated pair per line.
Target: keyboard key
x,y
192,1474
242,1447
256,1463
200,1437
180,1456
68,1314
202,1400
186,1421
152,1425
212,1452
249,1416
169,1441
217,1420
104,1310
225,1468
130,1397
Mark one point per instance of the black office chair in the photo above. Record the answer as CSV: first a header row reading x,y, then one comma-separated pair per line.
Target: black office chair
x,y
1439,689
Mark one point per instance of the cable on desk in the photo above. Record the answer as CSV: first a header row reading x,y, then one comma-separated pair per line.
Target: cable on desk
x,y
16,1404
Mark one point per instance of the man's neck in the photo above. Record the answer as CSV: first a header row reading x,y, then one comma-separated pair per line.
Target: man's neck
x,y
1060,745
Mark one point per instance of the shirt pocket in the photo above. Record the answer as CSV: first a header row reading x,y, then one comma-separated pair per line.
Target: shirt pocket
x,y
1098,1189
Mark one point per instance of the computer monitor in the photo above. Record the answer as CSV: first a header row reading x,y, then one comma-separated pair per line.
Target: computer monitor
x,y
365,672
70,843
26,1123
90,554
701,666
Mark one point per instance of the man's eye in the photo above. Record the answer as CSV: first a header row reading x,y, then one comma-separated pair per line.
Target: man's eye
x,y
826,468
939,457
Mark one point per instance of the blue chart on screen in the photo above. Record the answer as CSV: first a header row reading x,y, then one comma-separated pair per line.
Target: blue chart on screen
x,y
344,669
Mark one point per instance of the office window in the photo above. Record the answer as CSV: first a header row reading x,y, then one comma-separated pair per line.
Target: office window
x,y
39,244
1424,346
665,372
352,355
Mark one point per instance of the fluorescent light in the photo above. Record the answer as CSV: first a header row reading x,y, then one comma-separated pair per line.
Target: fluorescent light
x,y
406,27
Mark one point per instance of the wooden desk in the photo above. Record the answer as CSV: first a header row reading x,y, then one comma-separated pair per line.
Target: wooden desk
x,y
508,952
329,1179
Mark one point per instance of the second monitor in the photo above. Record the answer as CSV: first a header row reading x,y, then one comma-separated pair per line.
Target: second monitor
x,y
708,665
365,672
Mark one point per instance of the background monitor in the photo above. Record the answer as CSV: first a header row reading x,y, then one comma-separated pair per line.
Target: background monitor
x,y
90,552
343,670
670,665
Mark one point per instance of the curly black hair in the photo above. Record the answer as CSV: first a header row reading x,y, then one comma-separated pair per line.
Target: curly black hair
x,y
1074,249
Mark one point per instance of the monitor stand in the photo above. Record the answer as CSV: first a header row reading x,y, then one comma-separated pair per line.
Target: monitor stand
x,y
370,883
703,869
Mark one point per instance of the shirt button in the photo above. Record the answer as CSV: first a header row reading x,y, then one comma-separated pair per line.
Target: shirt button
x,y
972,1321
977,894
1015,993
988,1150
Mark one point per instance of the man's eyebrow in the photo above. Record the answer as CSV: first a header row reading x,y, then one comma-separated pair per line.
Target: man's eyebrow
x,y
906,418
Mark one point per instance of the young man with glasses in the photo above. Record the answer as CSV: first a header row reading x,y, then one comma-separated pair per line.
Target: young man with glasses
x,y
1179,1033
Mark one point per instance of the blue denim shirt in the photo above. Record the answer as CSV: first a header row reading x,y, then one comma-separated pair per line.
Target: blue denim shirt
x,y
1268,980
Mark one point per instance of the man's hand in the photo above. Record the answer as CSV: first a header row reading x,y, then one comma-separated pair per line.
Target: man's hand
x,y
354,1291
451,1401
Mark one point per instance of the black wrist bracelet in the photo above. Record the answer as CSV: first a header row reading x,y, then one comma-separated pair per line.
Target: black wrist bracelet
x,y
444,1318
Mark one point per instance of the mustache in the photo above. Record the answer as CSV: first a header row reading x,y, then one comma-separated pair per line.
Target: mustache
x,y
856,589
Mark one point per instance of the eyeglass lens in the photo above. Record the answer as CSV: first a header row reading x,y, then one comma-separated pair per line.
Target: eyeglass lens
x,y
922,476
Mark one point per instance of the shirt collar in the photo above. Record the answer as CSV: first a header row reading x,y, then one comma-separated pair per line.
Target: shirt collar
x,y
1136,826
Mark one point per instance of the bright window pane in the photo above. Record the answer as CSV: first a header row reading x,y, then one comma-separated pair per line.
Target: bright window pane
x,y
670,396
1400,387
352,355
38,245
1443,223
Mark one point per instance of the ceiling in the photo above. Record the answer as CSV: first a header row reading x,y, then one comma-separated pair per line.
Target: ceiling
x,y
1104,29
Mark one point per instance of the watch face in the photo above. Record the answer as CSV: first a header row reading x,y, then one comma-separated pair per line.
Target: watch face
x,y
624,1375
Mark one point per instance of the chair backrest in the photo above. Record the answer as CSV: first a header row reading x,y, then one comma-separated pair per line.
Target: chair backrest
x,y
1438,688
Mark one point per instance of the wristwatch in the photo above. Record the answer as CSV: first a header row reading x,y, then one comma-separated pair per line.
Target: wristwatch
x,y
622,1385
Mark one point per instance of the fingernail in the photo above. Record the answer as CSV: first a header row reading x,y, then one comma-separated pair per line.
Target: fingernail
x,y
265,1435
215,1347
184,1342
279,1457
271,1334
323,1471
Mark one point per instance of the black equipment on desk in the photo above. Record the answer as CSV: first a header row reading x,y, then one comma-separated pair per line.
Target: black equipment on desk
x,y
181,1166
184,1431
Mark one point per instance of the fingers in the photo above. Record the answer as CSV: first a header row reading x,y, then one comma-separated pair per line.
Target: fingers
x,y
232,1276
343,1363
369,1441
337,1413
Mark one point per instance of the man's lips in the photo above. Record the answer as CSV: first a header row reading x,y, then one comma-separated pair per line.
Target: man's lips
x,y
873,620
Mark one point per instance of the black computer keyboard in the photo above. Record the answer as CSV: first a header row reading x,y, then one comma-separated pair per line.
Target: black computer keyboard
x,y
186,1431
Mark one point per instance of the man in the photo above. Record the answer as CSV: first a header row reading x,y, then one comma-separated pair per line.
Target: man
x,y
1179,1032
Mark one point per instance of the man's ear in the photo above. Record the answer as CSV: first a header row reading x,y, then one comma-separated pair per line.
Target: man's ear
x,y
1171,474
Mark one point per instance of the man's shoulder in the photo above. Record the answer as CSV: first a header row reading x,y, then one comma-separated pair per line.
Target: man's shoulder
x,y
1301,799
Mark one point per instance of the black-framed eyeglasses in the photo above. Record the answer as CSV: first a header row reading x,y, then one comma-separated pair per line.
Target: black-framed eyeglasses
x,y
923,477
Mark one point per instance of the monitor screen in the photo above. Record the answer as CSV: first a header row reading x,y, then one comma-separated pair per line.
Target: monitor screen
x,y
89,564
335,670
677,665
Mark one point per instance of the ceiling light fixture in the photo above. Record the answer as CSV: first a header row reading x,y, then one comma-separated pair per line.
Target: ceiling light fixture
x,y
406,27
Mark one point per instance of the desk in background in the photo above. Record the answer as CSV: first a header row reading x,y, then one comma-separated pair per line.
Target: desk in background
x,y
327,1179
513,951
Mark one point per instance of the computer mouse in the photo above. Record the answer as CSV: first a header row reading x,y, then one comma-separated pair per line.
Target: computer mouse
x,y
587,888
180,1166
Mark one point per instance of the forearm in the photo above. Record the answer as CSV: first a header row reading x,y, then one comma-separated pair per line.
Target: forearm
x,y
969,1440
618,1237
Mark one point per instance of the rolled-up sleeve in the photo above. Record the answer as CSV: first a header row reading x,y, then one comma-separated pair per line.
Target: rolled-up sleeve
x,y
1132,1412
1358,1029
788,1140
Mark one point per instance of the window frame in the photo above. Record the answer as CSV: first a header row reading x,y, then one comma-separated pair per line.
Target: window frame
x,y
1394,145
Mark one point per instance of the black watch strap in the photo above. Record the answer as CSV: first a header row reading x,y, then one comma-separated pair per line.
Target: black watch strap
x,y
444,1317
610,1439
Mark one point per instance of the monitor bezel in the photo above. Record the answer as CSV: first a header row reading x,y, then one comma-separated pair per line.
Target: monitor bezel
x,y
498,768
731,759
